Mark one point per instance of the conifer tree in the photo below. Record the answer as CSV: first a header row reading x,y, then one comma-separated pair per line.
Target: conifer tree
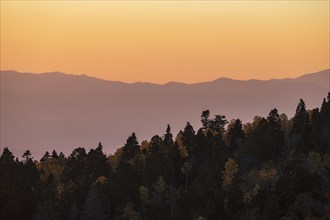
x,y
300,119
45,157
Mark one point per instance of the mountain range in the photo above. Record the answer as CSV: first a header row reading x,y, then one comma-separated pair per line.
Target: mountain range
x,y
59,111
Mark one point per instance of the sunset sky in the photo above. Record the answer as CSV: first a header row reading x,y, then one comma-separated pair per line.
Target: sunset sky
x,y
161,41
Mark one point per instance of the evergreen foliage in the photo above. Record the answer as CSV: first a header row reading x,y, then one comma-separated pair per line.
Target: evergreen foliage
x,y
272,168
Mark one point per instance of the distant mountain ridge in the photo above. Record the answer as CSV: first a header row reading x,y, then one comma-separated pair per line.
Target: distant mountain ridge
x,y
59,111
320,78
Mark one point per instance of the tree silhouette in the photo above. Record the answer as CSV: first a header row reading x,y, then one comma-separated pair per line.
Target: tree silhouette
x,y
27,156
272,168
45,157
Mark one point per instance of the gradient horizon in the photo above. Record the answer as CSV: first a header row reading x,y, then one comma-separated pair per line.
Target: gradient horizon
x,y
166,40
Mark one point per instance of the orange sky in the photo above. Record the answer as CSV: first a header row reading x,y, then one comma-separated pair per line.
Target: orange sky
x,y
161,41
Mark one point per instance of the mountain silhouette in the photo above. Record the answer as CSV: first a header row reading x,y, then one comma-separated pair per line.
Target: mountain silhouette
x,y
59,111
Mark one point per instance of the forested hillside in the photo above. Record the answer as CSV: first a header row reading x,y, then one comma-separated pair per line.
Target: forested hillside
x,y
272,168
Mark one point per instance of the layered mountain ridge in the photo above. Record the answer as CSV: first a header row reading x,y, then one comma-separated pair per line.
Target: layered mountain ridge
x,y
59,111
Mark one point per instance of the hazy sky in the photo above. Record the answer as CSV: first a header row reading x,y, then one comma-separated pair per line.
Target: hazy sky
x,y
161,41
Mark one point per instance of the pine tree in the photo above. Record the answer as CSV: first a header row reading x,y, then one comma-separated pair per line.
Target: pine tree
x,y
205,119
131,148
218,123
300,119
45,157
274,135
54,154
235,135
61,155
168,137
300,128
27,156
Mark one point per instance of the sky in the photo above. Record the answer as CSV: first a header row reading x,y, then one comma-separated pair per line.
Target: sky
x,y
162,41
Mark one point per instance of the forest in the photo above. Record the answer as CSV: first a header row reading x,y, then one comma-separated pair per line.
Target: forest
x,y
272,168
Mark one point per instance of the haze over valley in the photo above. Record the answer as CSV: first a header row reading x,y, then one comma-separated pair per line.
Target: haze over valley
x,y
59,111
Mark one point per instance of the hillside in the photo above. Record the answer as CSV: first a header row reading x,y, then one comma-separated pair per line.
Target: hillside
x,y
273,168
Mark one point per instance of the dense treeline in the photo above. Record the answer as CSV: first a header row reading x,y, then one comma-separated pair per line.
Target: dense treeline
x,y
272,168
